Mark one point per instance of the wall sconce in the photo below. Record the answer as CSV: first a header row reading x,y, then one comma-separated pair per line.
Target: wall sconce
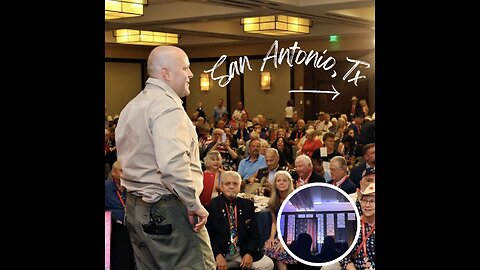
x,y
265,80
204,82
116,9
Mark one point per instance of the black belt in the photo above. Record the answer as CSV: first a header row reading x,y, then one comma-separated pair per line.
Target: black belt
x,y
138,199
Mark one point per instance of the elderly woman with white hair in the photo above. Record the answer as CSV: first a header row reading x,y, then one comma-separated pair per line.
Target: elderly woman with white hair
x,y
312,143
341,127
333,128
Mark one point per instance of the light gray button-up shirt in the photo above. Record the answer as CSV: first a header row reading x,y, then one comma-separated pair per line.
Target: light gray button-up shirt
x,y
158,148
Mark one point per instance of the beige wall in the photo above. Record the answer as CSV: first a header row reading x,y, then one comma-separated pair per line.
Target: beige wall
x,y
271,104
209,98
299,97
113,50
256,101
123,81
353,43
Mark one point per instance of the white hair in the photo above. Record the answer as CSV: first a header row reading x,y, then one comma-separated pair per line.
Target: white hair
x,y
304,159
233,175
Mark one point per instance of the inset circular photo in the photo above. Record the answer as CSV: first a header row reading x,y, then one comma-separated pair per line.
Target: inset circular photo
x,y
319,224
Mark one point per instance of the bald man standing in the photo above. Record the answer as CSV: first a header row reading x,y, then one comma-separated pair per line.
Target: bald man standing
x,y
158,147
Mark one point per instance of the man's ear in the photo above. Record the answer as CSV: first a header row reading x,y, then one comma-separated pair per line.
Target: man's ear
x,y
165,73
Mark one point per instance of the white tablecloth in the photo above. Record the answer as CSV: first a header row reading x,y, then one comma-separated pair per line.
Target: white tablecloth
x,y
260,202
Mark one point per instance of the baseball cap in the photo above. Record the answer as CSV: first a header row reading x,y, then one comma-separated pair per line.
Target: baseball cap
x,y
368,171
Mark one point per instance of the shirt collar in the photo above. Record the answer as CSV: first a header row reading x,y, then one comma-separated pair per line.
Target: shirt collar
x,y
227,201
339,182
249,156
274,170
308,177
168,90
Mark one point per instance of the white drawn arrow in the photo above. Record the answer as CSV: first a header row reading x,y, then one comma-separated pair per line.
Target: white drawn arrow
x,y
318,92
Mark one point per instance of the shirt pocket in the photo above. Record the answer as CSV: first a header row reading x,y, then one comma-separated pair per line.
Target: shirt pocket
x,y
192,147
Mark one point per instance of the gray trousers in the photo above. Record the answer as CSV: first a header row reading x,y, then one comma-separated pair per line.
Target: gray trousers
x,y
182,249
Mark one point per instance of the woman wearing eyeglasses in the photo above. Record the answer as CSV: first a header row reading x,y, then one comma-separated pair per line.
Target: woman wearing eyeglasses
x,y
362,256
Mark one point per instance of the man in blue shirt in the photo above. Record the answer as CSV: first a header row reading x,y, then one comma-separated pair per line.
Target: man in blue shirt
x,y
252,163
219,110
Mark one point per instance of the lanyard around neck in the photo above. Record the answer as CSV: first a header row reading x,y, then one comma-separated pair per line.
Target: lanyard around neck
x,y
364,238
120,198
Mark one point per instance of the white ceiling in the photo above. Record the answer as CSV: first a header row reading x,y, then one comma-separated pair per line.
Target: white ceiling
x,y
213,22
